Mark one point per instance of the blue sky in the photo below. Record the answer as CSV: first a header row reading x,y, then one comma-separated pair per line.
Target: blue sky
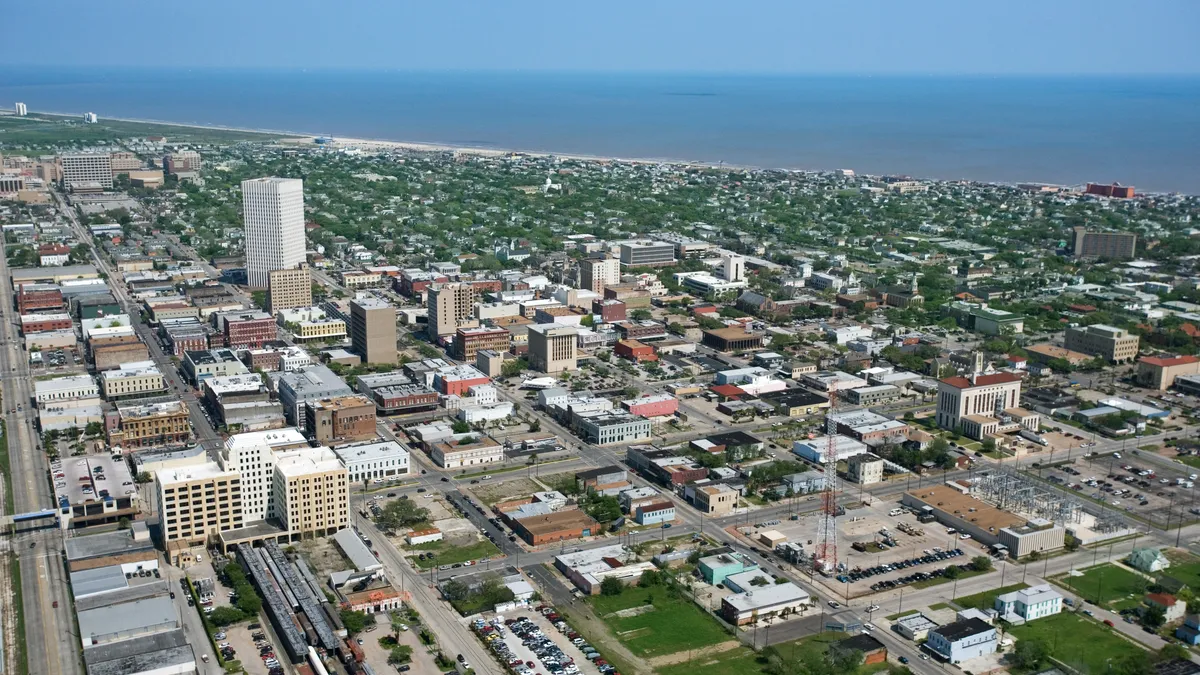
x,y
767,36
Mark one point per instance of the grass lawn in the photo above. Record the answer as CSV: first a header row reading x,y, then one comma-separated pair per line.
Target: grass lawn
x,y
986,599
1105,584
448,555
1184,567
1080,643
674,624
1190,460
741,661
938,605
819,644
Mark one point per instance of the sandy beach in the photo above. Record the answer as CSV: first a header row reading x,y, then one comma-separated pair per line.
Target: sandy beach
x,y
299,138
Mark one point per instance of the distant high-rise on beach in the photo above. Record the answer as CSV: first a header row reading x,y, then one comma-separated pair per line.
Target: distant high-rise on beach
x,y
273,213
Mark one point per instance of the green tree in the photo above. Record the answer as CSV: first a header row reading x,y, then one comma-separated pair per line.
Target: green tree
x,y
460,427
355,622
1154,616
400,654
224,616
401,513
455,590
1029,653
981,563
247,600
640,314
611,586
143,477
952,572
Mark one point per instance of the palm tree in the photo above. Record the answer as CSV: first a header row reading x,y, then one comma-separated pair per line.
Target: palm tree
x,y
396,623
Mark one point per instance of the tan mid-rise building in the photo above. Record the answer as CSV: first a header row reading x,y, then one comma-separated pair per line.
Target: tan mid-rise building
x,y
133,380
1159,372
196,503
451,306
1115,345
287,289
150,425
373,330
595,273
553,348
716,500
311,492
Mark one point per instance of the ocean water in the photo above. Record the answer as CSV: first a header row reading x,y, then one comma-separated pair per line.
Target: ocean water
x,y
1143,131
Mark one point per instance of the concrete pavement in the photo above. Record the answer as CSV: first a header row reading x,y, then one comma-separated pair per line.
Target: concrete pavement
x,y
49,645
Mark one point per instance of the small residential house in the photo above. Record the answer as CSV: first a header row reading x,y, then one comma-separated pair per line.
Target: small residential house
x,y
1173,608
1148,560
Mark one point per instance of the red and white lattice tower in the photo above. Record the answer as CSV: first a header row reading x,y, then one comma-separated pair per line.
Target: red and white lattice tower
x,y
825,558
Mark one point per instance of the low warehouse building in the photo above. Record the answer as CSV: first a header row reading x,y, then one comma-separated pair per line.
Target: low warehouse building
x,y
985,523
762,602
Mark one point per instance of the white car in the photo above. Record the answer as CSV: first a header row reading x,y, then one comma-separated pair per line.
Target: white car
x,y
964,535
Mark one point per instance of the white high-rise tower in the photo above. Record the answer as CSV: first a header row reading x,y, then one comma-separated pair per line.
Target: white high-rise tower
x,y
273,212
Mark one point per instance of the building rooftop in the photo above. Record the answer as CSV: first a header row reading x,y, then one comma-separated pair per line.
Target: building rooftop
x,y
274,438
105,544
140,411
63,383
981,380
356,550
978,513
916,622
766,596
227,384
295,463
97,580
106,623
1032,595
186,474
366,452
341,402
953,632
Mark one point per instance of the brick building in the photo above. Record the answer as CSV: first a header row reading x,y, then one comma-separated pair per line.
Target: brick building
x,y
609,310
469,341
341,419
246,330
40,323
634,351
39,298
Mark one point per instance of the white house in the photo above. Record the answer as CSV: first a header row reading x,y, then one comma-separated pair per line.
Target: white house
x,y
423,536
963,640
1028,604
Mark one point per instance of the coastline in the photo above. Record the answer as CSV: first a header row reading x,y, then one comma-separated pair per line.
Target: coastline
x,y
299,137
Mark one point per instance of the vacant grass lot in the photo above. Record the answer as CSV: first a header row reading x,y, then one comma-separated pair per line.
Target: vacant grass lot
x,y
741,661
1105,584
986,599
1081,643
819,644
673,624
448,555
1184,567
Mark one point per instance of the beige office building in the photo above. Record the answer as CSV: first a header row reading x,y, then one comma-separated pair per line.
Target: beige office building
x,y
132,380
716,500
273,215
373,330
864,469
311,492
1115,345
196,503
552,347
124,162
451,307
87,170
289,288
595,274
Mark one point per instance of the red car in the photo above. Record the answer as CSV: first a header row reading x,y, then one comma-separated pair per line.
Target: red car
x,y
1108,623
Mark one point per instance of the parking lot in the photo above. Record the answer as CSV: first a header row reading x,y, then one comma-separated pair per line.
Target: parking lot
x,y
880,551
245,640
1128,484
531,644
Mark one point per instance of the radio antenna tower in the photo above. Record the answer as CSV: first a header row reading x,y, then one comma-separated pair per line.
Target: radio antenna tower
x,y
825,559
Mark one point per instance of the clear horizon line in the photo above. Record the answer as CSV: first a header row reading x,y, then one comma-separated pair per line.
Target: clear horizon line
x,y
12,65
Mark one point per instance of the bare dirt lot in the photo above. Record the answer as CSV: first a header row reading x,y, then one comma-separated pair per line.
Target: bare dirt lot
x,y
511,488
